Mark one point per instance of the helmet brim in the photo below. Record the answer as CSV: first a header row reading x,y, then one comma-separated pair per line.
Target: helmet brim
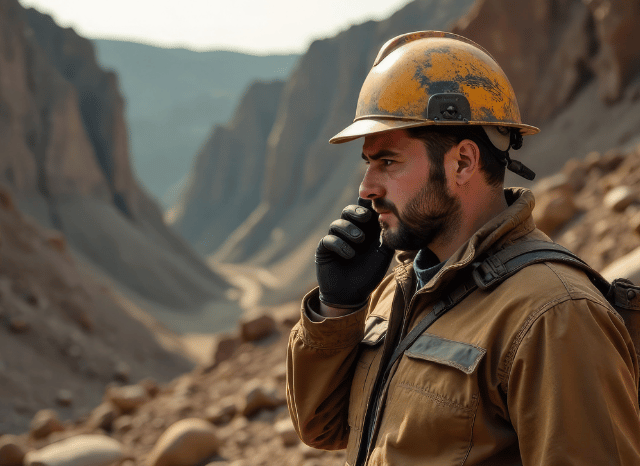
x,y
368,126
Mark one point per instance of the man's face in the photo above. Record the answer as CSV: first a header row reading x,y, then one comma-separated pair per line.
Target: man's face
x,y
412,197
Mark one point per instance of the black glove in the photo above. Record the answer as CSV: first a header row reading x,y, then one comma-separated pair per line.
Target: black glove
x,y
350,260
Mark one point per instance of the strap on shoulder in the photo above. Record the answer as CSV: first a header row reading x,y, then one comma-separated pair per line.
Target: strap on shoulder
x,y
506,262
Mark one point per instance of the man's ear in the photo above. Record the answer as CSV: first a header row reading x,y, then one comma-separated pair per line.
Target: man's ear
x,y
467,159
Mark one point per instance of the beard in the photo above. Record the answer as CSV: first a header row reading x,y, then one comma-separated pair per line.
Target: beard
x,y
432,214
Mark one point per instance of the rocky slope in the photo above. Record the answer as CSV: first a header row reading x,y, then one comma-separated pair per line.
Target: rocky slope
x,y
573,75
64,336
65,157
574,65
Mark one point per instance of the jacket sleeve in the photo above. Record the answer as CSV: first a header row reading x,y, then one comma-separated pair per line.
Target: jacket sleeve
x,y
573,388
320,364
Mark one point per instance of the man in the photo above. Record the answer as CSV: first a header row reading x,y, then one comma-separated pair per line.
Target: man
x,y
538,370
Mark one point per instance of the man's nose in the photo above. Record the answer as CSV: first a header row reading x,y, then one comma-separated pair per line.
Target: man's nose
x,y
370,187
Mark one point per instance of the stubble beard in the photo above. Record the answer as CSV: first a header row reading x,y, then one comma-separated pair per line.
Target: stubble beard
x,y
433,214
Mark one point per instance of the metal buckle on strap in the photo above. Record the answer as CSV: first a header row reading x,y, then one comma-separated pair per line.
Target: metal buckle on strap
x,y
489,272
624,294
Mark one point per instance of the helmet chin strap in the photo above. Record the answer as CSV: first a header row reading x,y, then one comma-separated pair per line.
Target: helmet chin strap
x,y
515,143
519,168
516,166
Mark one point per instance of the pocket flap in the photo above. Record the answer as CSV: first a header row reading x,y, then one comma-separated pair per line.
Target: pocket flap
x,y
462,356
375,329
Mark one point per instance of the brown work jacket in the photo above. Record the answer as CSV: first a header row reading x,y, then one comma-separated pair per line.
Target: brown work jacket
x,y
537,371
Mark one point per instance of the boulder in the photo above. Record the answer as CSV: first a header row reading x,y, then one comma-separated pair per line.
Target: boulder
x,y
222,413
122,372
81,450
103,416
186,443
259,396
44,423
127,398
627,266
258,328
150,385
6,199
64,397
122,424
11,453
225,348
554,210
635,223
57,242
619,198
18,325
287,433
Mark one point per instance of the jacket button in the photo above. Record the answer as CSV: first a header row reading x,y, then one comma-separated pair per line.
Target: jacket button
x,y
631,294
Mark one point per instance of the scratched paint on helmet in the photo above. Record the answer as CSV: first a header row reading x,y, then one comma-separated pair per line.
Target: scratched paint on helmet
x,y
410,69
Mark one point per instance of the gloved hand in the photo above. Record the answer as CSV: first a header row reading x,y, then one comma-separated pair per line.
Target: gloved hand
x,y
350,260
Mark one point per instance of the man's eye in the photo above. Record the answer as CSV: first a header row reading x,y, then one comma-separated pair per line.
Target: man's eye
x,y
387,162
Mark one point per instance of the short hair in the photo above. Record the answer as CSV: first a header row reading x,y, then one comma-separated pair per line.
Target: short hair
x,y
439,139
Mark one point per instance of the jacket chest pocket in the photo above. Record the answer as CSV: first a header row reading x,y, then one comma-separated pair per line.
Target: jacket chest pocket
x,y
432,402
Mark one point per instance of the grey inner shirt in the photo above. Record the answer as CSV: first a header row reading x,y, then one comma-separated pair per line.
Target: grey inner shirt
x,y
426,265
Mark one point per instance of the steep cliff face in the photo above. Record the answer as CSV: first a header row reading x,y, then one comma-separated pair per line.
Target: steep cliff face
x,y
551,49
225,183
574,66
64,155
100,103
43,143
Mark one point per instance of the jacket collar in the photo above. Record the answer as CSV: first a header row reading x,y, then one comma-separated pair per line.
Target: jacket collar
x,y
510,225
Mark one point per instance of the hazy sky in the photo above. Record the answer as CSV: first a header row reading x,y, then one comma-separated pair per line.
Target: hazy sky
x,y
258,26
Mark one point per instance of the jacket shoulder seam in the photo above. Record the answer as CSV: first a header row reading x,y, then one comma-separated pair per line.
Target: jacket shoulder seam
x,y
522,332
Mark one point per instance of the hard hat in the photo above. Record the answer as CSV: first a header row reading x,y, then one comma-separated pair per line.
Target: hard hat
x,y
436,78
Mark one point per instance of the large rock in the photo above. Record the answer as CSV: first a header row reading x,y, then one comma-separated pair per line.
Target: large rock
x,y
287,432
186,443
554,209
226,346
260,395
257,328
11,452
128,398
620,197
82,450
44,423
626,267
103,416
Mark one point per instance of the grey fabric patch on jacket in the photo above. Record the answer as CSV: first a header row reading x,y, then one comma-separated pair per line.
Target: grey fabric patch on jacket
x,y
462,356
375,328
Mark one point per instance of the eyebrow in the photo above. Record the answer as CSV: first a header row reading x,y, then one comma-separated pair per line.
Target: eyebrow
x,y
378,155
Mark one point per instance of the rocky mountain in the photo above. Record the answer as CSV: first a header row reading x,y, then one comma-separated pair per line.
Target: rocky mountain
x,y
65,158
63,335
575,67
573,74
173,98
226,189
83,249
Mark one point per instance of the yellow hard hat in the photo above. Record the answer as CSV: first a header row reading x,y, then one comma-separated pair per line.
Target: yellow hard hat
x,y
434,78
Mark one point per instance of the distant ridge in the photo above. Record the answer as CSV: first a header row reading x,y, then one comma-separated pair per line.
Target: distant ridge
x,y
174,97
